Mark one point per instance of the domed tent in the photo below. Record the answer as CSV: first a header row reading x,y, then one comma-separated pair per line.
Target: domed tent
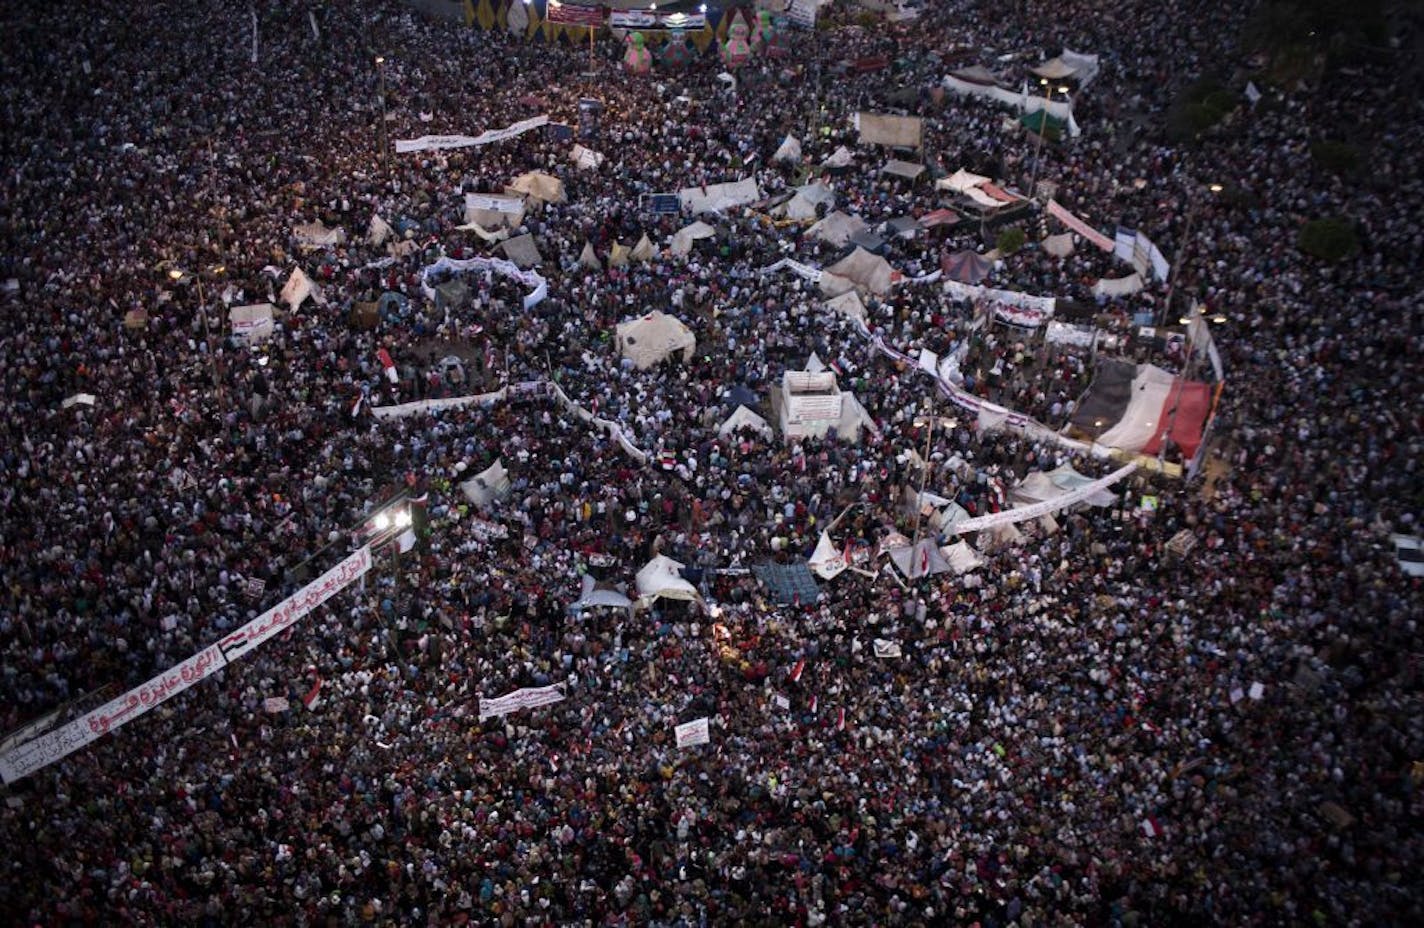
x,y
650,339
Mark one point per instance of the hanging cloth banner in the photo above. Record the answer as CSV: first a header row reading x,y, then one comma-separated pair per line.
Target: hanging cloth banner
x,y
493,265
1057,211
51,747
1037,510
527,698
440,142
804,271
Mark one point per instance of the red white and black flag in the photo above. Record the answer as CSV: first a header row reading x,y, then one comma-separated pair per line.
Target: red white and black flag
x,y
571,14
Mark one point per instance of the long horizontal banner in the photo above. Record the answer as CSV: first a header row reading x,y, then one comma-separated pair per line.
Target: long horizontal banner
x,y
648,19
54,746
493,265
1039,304
441,142
527,698
804,271
1057,211
571,14
1037,510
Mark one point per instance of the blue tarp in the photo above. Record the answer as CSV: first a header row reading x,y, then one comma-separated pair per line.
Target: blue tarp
x,y
789,584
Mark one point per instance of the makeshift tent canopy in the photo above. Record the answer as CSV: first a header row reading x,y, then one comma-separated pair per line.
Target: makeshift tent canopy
x,y
649,340
452,294
814,364
906,169
864,270
586,159
522,251
643,251
717,197
839,160
1069,479
1055,69
868,239
848,304
901,226
661,578
378,231
298,288
588,259
967,267
544,188
618,257
317,235
977,74
790,150
803,204
1037,120
1110,287
921,559
789,584
961,557
836,228
488,485
493,211
597,595
682,240
885,129
743,418
960,181
1060,246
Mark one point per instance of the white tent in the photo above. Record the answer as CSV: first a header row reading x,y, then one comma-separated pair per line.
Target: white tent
x,y
298,288
803,204
539,186
618,257
660,578
378,231
1060,246
922,559
961,180
909,170
741,418
841,158
1118,286
814,364
648,340
1069,479
1036,488
826,562
717,197
523,251
643,251
317,235
836,228
597,595
847,304
588,259
253,323
488,485
961,557
682,239
1000,536
494,211
869,272
790,150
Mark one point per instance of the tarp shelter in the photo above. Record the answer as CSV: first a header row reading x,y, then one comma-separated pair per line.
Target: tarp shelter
x,y
643,251
803,204
1000,536
839,160
921,559
452,294
588,259
789,150
1069,479
961,180
648,340
253,323
939,217
544,188
743,418
618,257
827,562
789,584
866,271
847,304
1039,119
297,289
902,226
967,267
1109,287
977,74
814,364
682,239
1060,246
661,578
522,251
812,405
894,131
316,235
597,595
909,170
378,231
836,228
713,198
488,485
961,557
868,239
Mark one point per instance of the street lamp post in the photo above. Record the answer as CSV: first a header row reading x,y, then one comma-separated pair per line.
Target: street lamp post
x,y
381,135
177,275
1042,129
1183,250
397,523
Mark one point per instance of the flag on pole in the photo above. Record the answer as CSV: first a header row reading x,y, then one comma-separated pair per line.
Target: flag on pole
x,y
313,697
815,702
840,720
1150,828
798,670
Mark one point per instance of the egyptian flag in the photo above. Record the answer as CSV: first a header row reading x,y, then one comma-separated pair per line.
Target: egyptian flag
x,y
357,406
798,670
840,719
1150,828
388,365
815,702
312,699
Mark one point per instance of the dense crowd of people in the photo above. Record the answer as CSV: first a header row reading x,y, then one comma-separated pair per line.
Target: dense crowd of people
x,y
1091,731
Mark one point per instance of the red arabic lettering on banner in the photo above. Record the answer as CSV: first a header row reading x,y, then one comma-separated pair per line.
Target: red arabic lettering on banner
x,y
568,14
1056,210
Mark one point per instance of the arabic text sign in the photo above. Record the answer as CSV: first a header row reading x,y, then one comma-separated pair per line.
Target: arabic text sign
x,y
527,698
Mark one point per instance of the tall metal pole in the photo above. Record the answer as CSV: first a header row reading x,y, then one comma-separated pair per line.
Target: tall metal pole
x,y
381,136
924,476
1038,147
